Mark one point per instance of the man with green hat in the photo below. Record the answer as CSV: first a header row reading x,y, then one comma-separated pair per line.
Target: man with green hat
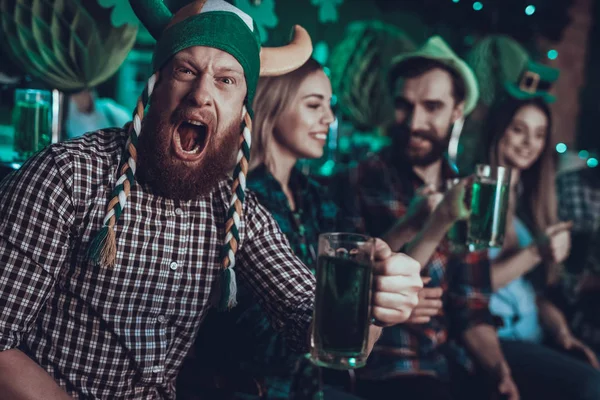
x,y
396,194
113,246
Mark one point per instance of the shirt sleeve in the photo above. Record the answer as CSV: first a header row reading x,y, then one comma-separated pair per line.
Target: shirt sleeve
x,y
564,206
283,285
571,200
34,240
469,291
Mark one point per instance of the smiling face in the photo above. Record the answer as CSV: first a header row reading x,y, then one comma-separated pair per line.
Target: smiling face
x,y
302,128
524,139
425,108
190,134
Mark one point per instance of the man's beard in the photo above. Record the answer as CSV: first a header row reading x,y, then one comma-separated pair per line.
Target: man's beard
x,y
169,176
401,134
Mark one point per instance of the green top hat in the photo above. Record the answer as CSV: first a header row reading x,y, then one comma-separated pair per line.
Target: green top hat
x,y
437,49
500,62
535,81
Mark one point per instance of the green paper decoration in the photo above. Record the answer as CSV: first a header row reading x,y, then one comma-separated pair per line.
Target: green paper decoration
x,y
327,9
122,13
495,59
69,44
359,66
263,14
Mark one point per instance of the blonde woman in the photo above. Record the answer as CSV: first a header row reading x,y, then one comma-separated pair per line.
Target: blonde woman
x,y
291,121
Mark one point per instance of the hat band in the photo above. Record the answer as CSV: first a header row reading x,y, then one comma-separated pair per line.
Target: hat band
x,y
532,83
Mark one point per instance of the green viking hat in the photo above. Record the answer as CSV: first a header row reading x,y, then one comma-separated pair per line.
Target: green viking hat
x,y
220,25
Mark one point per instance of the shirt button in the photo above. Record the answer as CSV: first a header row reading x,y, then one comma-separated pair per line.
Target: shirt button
x,y
161,318
157,369
173,266
178,211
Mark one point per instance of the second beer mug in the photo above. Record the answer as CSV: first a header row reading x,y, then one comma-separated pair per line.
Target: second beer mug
x,y
489,205
32,121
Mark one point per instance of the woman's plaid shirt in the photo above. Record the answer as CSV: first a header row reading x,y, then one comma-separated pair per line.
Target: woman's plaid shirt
x,y
124,332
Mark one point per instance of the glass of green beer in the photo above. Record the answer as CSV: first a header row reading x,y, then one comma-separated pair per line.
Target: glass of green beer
x,y
341,316
489,205
457,235
32,121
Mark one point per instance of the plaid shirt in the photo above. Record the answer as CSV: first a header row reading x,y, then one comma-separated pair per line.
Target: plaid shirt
x,y
316,212
257,348
579,201
373,195
124,332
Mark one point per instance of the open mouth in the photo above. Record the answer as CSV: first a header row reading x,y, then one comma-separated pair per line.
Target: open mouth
x,y
190,139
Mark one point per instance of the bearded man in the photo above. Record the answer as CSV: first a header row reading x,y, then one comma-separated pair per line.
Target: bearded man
x,y
104,301
396,194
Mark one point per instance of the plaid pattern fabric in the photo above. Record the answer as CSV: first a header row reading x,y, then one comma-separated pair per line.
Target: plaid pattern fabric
x,y
124,332
372,196
317,212
258,348
579,201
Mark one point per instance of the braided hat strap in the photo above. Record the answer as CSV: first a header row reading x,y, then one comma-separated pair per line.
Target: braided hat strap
x,y
228,285
103,248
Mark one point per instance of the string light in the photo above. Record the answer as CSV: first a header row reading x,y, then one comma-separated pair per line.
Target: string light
x,y
455,1
591,159
552,54
530,9
477,6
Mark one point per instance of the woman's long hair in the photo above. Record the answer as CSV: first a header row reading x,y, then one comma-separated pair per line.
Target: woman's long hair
x,y
274,96
537,202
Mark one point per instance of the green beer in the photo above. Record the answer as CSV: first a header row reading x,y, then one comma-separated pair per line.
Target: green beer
x,y
341,319
342,310
489,205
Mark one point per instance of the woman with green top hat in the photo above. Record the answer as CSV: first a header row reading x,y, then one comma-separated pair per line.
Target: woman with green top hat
x,y
546,360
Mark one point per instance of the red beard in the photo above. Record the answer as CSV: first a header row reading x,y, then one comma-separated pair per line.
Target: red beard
x,y
171,177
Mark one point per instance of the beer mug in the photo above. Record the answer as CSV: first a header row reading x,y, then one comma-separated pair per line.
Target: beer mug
x,y
32,121
341,318
489,206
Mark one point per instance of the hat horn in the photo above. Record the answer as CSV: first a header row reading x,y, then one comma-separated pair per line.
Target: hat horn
x,y
281,60
190,10
153,14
